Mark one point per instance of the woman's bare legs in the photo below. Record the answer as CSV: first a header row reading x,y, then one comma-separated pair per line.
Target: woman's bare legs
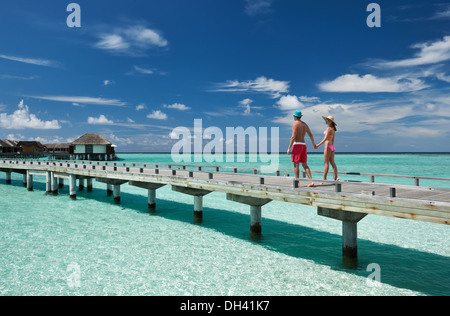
x,y
326,159
333,164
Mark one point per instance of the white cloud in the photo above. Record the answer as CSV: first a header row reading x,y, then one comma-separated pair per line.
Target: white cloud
x,y
101,120
81,100
246,105
443,77
144,37
178,106
141,107
309,99
442,15
157,115
33,61
289,102
123,141
394,117
112,42
18,77
42,140
23,119
261,85
134,40
254,7
108,82
371,83
143,71
429,53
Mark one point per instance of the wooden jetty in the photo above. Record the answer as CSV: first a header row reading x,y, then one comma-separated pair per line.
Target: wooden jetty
x,y
347,201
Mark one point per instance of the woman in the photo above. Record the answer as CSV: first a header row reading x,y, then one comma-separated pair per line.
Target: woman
x,y
329,151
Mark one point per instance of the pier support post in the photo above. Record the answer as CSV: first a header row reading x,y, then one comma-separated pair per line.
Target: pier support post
x,y
349,229
8,177
151,187
117,194
109,189
29,181
198,208
54,184
81,184
255,219
255,210
61,183
25,180
73,186
115,184
89,184
151,199
48,183
349,240
198,195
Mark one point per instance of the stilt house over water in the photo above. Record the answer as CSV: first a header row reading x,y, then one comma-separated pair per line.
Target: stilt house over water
x,y
9,146
92,147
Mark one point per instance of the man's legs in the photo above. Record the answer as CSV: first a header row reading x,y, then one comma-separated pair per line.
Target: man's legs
x,y
297,170
308,173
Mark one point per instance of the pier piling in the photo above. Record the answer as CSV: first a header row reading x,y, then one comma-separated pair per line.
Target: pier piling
x,y
255,210
54,184
81,183
73,186
115,184
48,183
349,229
198,195
29,181
89,184
109,190
117,194
151,199
151,187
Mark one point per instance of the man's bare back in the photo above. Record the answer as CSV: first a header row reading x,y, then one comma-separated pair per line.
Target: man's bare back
x,y
299,130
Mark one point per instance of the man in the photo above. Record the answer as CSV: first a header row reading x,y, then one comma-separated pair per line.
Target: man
x,y
298,145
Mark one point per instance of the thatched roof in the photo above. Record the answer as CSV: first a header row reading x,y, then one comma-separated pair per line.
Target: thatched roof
x,y
7,143
30,143
92,139
52,146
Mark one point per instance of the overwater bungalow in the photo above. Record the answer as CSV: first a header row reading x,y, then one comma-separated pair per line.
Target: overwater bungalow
x,y
31,147
92,147
9,147
58,151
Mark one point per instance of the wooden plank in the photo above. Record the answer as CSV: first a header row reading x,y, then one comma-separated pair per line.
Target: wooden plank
x,y
442,196
415,194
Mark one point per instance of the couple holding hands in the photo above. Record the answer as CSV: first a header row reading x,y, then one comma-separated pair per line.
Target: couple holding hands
x,y
299,151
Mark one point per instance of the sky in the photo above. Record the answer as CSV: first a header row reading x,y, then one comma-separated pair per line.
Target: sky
x,y
135,70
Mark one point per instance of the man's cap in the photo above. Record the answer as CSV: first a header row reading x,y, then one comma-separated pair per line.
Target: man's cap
x,y
298,113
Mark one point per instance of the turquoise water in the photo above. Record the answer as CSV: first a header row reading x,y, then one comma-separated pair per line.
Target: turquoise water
x,y
51,245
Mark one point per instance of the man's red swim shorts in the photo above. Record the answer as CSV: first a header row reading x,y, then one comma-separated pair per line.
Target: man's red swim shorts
x,y
299,153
